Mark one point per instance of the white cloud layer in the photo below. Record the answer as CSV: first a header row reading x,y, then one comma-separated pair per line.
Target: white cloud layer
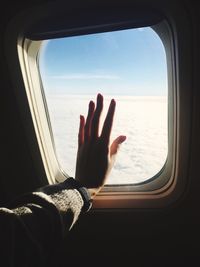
x,y
142,119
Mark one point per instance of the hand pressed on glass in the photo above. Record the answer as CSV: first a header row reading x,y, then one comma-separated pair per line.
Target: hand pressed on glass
x,y
95,156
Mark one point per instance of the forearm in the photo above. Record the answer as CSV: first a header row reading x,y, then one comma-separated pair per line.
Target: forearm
x,y
35,224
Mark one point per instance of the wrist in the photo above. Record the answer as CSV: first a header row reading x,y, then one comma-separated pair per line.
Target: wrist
x,y
93,192
71,183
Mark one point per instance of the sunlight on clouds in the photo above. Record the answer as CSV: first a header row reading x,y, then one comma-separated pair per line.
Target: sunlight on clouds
x,y
142,119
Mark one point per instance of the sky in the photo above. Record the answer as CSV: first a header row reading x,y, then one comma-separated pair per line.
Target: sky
x,y
127,62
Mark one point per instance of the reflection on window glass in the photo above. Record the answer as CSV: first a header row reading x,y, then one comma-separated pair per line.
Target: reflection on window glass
x,y
128,65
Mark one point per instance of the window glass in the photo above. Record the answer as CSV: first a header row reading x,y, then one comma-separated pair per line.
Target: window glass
x,y
127,65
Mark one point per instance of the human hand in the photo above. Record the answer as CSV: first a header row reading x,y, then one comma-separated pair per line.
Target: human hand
x,y
95,156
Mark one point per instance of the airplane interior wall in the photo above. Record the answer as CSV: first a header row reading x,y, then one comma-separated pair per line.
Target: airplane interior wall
x,y
141,237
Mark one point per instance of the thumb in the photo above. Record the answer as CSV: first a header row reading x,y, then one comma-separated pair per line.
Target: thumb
x,y
116,143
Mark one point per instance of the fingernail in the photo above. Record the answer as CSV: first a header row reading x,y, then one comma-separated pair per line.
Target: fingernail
x,y
99,96
91,104
122,138
113,102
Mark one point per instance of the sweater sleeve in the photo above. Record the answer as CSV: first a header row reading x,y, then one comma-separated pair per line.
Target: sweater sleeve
x,y
33,225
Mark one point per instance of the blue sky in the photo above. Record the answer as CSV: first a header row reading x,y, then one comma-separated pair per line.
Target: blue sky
x,y
129,62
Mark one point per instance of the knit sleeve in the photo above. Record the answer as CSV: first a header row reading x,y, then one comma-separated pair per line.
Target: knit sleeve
x,y
33,225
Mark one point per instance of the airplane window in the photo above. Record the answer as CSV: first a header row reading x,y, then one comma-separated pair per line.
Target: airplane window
x,y
128,65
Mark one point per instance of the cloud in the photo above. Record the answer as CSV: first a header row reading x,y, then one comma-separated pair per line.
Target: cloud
x,y
85,76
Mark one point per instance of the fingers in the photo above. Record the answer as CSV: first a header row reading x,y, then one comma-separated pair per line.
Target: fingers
x,y
87,130
96,117
81,131
91,128
107,127
116,143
